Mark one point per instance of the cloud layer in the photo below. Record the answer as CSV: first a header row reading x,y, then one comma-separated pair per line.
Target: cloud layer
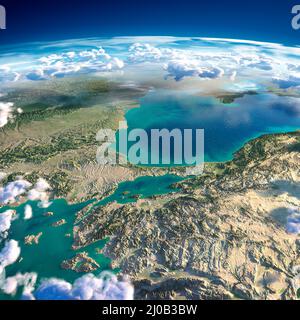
x,y
214,58
60,65
106,286
88,287
5,220
206,58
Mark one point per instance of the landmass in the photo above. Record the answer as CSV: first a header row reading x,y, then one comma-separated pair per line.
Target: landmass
x,y
223,236
33,239
55,136
80,263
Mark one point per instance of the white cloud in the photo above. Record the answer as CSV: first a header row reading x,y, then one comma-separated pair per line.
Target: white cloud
x,y
12,190
293,221
241,41
118,62
44,204
257,61
6,74
211,58
5,220
178,69
233,76
52,289
39,192
10,285
6,113
27,212
228,54
88,287
60,65
34,195
144,52
20,187
242,58
42,185
9,254
287,82
141,52
243,86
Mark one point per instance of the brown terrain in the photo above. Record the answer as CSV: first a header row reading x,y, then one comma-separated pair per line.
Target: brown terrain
x,y
223,236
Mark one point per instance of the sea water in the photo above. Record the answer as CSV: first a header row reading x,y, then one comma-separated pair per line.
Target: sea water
x,y
55,244
227,127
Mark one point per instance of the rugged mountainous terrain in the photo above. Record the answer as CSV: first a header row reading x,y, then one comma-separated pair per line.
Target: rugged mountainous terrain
x,y
223,236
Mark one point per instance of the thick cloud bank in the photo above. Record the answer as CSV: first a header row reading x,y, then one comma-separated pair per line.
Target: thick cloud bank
x,y
88,287
106,286
62,64
204,58
217,58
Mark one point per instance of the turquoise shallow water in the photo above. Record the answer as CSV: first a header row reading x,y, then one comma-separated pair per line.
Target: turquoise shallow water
x,y
142,187
227,126
54,245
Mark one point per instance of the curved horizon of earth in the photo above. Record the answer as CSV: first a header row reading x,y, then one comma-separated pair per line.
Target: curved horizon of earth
x,y
235,90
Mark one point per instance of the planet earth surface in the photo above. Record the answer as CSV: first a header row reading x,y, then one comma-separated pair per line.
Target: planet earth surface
x,y
230,232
